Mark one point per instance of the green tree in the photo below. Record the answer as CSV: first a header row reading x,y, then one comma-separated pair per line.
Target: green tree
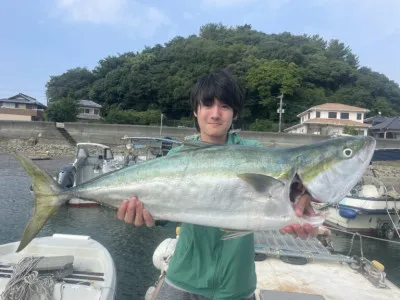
x,y
62,110
273,78
261,125
74,84
350,130
308,70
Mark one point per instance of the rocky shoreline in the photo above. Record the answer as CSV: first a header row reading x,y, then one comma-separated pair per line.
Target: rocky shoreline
x,y
32,149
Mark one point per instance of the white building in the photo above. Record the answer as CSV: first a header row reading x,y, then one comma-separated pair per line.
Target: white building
x,y
330,119
88,110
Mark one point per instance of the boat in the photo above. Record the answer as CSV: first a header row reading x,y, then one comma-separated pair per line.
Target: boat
x,y
370,209
65,266
291,268
145,148
91,160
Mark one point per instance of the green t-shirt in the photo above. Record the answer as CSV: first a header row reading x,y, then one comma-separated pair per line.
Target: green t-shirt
x,y
204,264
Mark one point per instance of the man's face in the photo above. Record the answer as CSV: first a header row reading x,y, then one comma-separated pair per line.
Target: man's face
x,y
214,121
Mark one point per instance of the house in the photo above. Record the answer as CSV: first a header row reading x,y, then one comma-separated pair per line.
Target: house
x,y
386,127
88,110
330,119
21,108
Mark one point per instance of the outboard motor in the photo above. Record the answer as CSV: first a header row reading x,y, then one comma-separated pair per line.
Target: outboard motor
x,y
66,176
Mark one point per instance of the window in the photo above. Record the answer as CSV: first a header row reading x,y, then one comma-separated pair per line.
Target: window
x,y
308,116
16,105
358,116
87,110
332,115
96,111
344,116
318,114
29,106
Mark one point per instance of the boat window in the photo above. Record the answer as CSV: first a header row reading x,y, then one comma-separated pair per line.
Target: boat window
x,y
108,154
82,153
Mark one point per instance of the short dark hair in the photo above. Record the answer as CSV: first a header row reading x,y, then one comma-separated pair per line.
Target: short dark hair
x,y
218,84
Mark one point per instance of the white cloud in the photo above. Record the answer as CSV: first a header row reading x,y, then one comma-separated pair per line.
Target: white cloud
x,y
144,18
226,2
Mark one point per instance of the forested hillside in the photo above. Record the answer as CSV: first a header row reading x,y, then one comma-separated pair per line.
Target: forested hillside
x,y
307,69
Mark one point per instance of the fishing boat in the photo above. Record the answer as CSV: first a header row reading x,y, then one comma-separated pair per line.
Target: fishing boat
x,y
145,148
63,266
91,160
295,269
372,207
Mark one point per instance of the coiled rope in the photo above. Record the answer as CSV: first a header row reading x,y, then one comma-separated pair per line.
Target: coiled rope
x,y
25,283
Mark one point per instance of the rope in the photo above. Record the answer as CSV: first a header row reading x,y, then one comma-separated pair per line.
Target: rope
x,y
387,210
26,283
365,236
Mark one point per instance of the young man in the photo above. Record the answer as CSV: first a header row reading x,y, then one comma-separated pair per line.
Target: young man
x,y
204,266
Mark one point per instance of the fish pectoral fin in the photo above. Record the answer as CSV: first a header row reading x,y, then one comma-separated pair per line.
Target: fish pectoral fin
x,y
261,183
232,234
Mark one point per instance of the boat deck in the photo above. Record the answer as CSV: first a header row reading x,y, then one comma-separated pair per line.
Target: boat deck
x,y
313,272
93,274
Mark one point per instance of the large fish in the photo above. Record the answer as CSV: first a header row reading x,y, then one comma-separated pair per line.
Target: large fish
x,y
244,188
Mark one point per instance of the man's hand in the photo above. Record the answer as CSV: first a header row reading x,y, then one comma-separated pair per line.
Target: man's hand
x,y
303,207
132,210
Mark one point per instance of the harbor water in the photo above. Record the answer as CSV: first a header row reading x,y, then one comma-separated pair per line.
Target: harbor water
x,y
130,247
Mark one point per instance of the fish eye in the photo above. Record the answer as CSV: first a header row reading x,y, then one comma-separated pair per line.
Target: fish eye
x,y
347,152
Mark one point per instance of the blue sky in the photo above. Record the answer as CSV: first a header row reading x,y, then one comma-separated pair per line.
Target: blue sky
x,y
42,38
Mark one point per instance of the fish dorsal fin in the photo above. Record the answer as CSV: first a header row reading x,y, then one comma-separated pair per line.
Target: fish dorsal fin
x,y
262,183
196,145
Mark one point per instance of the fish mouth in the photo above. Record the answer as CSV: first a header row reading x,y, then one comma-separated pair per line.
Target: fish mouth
x,y
297,190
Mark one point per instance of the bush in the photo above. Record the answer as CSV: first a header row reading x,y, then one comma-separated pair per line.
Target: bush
x,y
149,117
261,125
62,110
350,130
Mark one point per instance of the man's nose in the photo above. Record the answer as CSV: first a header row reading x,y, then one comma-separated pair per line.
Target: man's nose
x,y
215,111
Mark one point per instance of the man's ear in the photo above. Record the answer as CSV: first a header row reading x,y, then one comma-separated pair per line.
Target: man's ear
x,y
195,114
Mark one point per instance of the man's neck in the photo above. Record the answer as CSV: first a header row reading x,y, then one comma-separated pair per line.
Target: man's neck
x,y
214,140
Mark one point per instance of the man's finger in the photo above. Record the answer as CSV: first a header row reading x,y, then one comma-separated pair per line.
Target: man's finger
x,y
130,211
122,210
139,214
301,205
301,233
148,218
288,230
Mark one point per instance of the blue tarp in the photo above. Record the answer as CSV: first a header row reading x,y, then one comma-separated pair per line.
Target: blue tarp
x,y
386,154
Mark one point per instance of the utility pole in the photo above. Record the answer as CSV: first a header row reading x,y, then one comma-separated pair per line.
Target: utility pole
x,y
280,111
161,124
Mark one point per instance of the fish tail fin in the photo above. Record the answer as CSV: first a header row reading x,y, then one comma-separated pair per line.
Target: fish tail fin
x,y
48,198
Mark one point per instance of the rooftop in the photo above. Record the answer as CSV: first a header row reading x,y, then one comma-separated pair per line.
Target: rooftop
x,y
335,107
339,122
89,103
23,99
392,123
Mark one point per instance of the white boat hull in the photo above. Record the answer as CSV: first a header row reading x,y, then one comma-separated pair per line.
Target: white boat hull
x,y
368,215
94,273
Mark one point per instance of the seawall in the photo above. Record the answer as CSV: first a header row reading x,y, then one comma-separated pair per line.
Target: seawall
x,y
46,133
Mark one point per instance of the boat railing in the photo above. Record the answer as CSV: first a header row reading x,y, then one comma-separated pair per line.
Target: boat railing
x,y
273,243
